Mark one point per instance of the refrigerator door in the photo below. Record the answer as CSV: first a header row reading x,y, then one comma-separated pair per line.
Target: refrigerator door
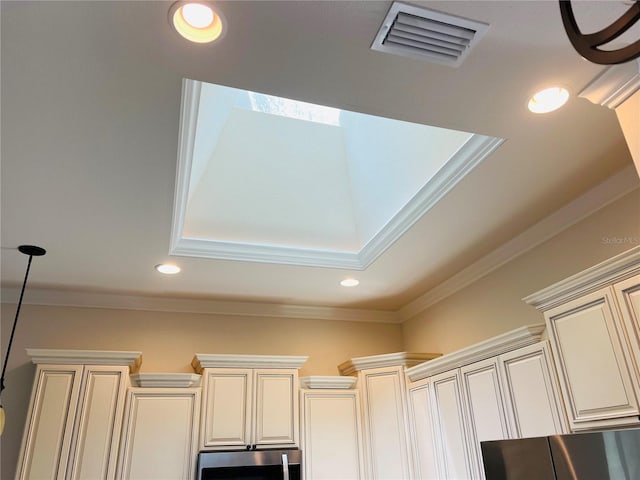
x,y
612,455
522,459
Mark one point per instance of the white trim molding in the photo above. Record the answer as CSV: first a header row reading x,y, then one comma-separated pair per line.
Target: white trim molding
x,y
86,357
620,267
205,360
615,187
328,382
521,337
614,85
165,380
397,359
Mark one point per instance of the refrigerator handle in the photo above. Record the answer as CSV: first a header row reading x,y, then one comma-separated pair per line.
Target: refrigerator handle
x,y
285,467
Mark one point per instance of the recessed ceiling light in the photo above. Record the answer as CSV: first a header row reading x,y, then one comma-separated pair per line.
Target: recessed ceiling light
x,y
548,100
167,268
349,282
198,22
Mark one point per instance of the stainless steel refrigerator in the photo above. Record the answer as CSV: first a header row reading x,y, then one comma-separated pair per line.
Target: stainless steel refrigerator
x,y
609,455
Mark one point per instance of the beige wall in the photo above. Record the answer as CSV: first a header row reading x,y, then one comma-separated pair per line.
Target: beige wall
x,y
493,305
629,117
168,342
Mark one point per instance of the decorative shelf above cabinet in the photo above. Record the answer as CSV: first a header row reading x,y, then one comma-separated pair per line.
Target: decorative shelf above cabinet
x,y
506,342
86,357
399,359
165,380
205,360
328,382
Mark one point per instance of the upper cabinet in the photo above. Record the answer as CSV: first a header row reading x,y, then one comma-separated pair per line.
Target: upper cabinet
x,y
75,414
381,380
248,401
592,319
504,387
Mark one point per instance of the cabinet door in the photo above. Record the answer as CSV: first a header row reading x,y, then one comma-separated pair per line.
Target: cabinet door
x,y
588,351
332,435
47,440
226,419
423,441
628,293
383,391
276,407
99,422
484,402
453,452
533,396
160,434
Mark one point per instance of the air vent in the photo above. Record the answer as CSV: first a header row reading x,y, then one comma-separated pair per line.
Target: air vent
x,y
425,34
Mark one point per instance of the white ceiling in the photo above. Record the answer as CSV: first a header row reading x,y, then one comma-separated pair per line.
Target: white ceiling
x,y
90,117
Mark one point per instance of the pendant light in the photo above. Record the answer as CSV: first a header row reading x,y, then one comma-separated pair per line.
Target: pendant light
x,y
32,251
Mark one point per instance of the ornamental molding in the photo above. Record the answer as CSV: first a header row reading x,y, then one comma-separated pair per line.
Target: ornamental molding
x,y
328,382
493,347
614,85
615,269
403,359
203,360
133,360
165,380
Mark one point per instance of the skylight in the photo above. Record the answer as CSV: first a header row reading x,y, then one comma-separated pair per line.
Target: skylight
x,y
286,107
269,179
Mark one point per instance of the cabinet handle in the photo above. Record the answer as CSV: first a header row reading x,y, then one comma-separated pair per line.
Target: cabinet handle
x,y
248,447
285,467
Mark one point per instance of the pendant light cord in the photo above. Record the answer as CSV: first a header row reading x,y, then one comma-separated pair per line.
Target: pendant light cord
x,y
15,322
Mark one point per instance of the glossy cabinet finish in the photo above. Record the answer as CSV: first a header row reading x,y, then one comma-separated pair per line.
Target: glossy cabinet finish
x,y
160,434
332,443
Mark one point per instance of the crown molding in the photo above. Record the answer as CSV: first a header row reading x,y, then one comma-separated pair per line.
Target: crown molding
x,y
65,298
328,382
399,359
615,187
506,342
165,380
614,85
86,357
620,267
204,360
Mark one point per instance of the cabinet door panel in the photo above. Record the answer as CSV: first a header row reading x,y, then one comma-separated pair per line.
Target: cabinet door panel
x,y
97,430
594,376
628,293
47,440
332,437
384,406
485,407
450,426
227,408
534,405
423,441
276,407
160,434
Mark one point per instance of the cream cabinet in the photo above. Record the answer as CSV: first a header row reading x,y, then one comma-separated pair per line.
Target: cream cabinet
x,y
160,429
493,390
422,431
249,401
592,320
381,381
75,414
331,426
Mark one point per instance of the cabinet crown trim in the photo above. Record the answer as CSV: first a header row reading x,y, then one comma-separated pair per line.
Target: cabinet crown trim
x,y
204,360
615,269
86,357
165,380
328,382
404,359
492,347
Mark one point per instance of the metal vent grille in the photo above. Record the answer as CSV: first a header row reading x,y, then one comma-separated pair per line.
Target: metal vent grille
x,y
425,34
